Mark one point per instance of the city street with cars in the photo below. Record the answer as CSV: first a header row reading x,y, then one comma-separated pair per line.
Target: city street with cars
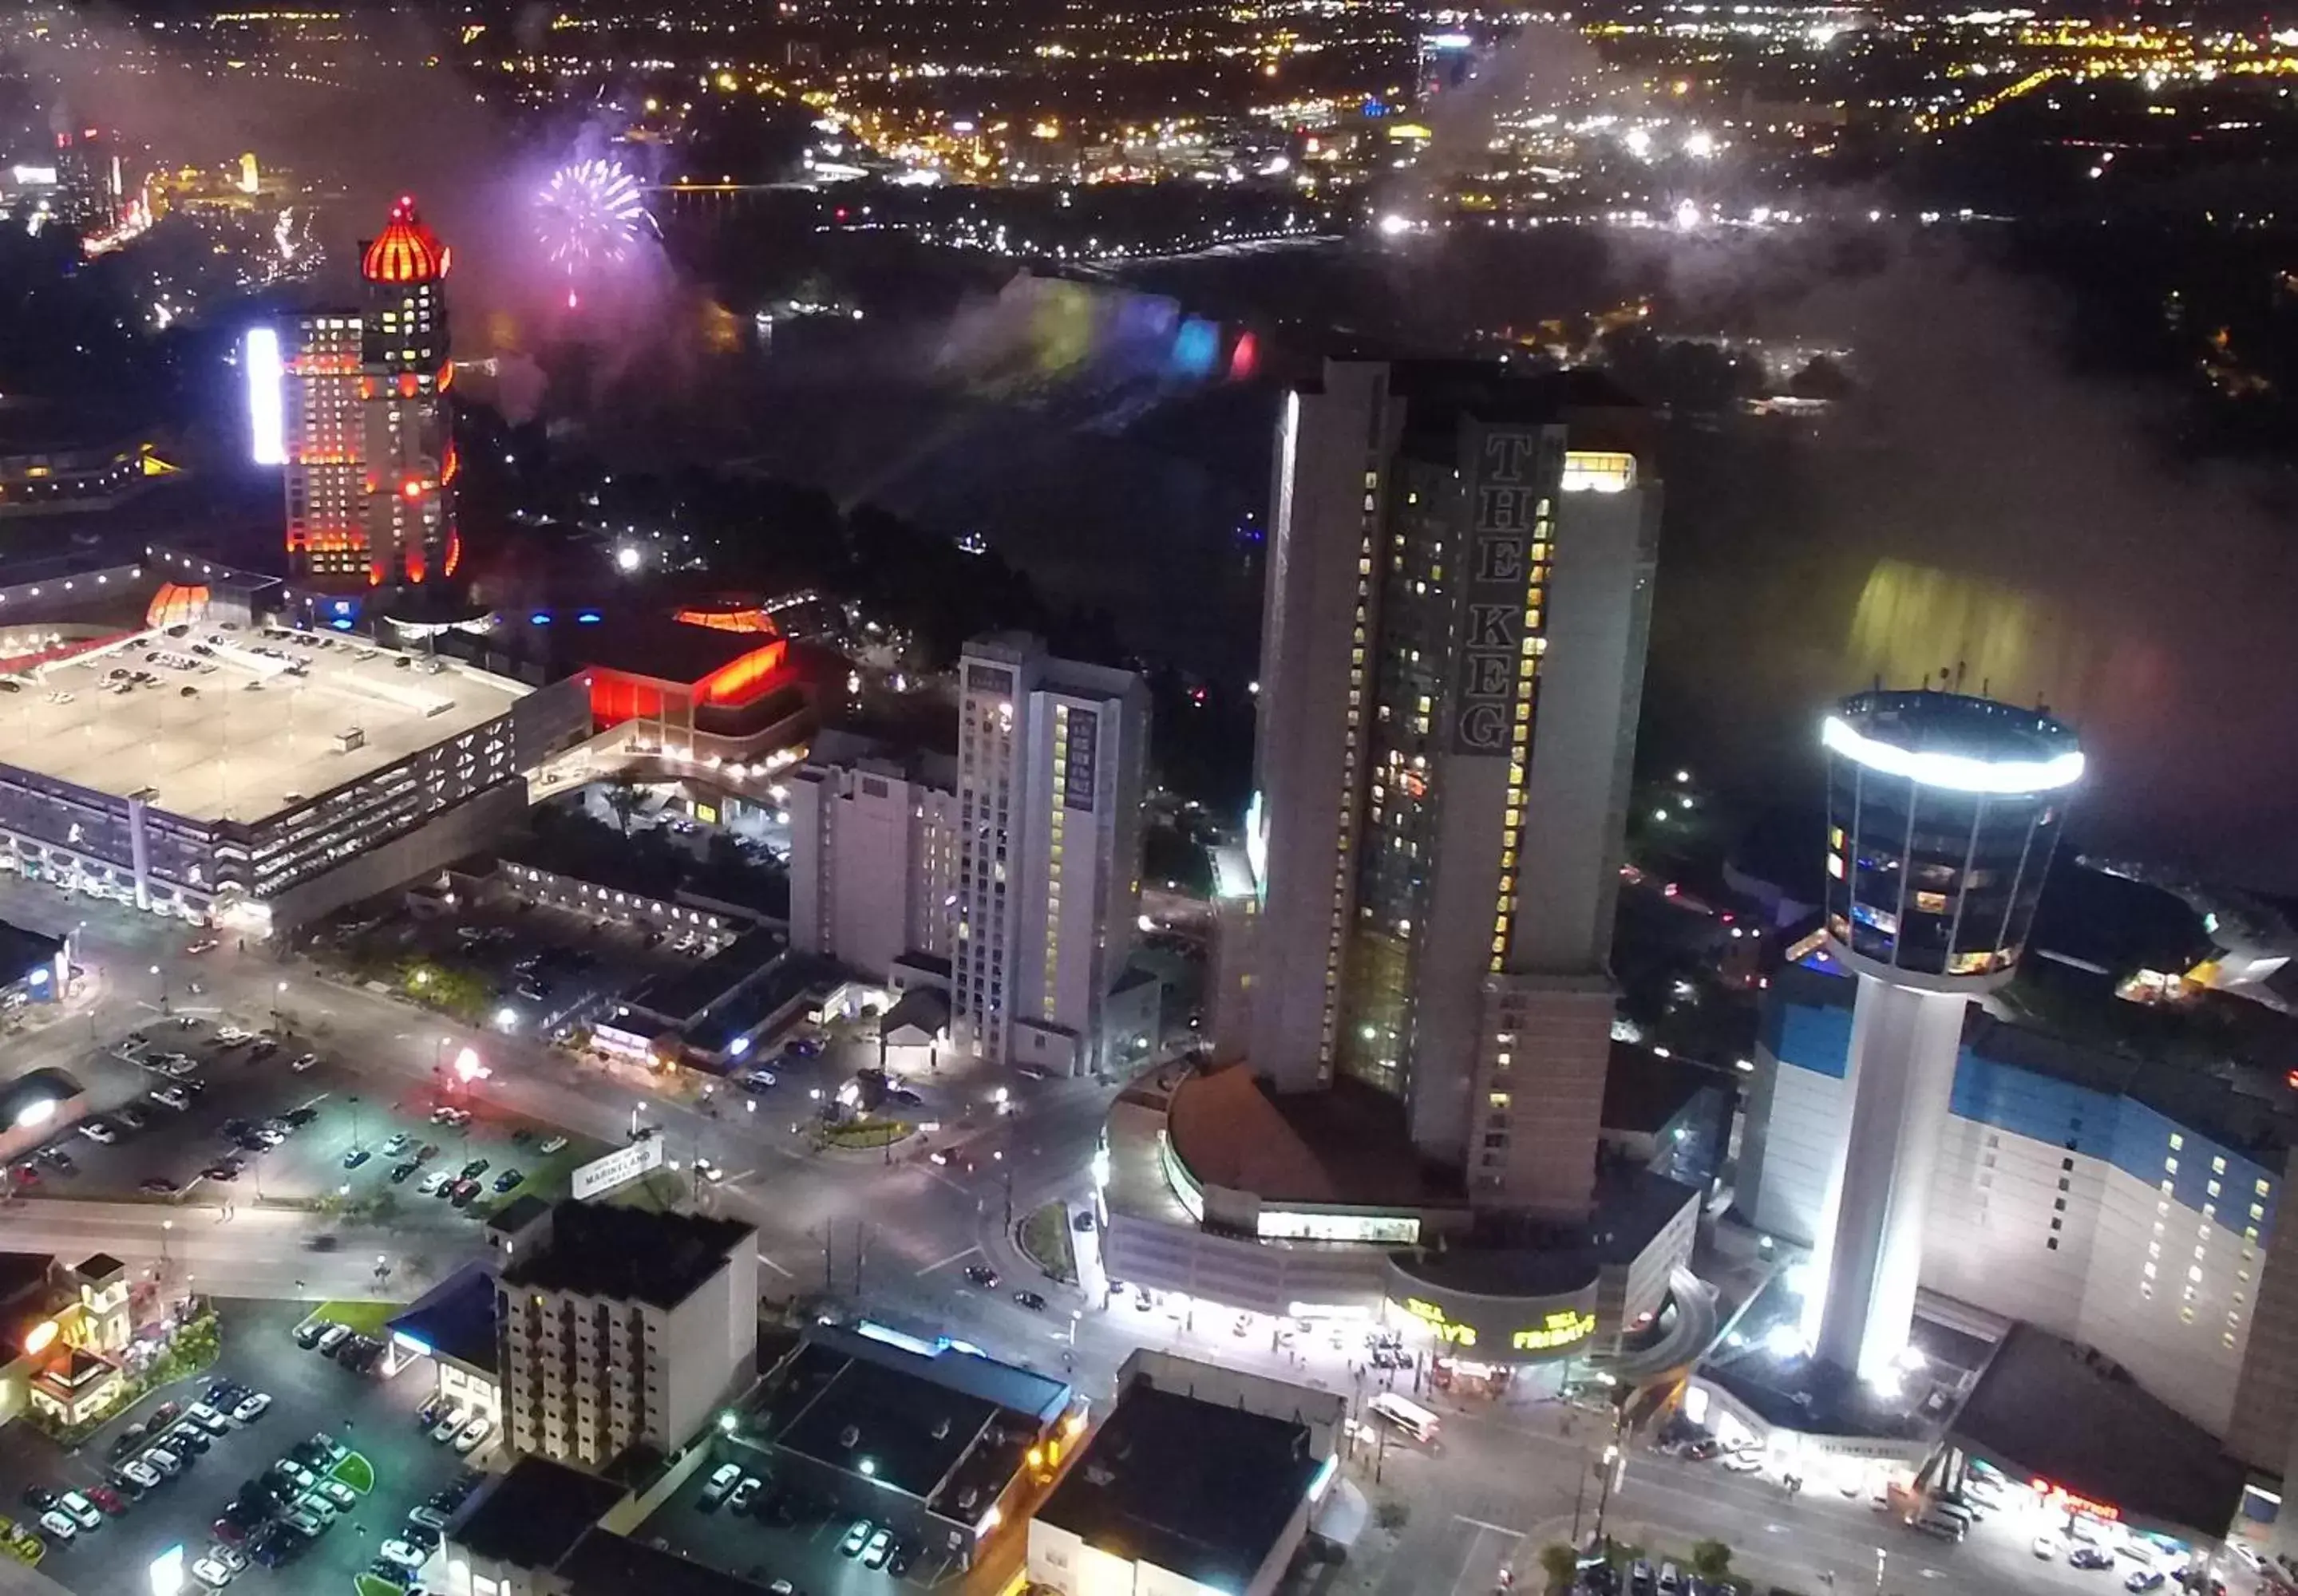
x,y
921,1235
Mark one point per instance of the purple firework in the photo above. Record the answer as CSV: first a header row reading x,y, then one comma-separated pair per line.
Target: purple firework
x,y
589,213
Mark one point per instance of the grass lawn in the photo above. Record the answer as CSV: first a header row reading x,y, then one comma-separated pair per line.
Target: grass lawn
x,y
356,1472
863,1133
375,1584
365,1318
1046,1237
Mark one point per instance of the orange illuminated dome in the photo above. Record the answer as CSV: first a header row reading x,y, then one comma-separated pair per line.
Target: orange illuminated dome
x,y
407,251
176,604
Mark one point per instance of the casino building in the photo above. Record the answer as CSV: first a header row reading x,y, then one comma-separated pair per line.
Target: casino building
x,y
358,413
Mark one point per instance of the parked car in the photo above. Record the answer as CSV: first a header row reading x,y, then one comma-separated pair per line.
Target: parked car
x,y
880,1548
59,1526
473,1433
357,1157
1030,1300
207,1571
722,1479
508,1179
334,1337
555,1144
856,1538
446,1428
96,1131
251,1407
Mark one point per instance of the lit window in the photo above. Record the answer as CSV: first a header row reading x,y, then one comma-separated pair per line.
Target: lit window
x,y
1594,471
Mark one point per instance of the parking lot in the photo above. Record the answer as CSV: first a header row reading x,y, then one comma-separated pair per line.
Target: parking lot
x,y
805,1550
310,1395
547,968
256,1127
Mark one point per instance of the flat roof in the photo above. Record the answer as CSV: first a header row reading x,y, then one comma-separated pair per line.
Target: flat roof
x,y
2042,1409
22,952
1195,1488
604,1564
597,1249
532,1516
253,740
1346,1144
912,1432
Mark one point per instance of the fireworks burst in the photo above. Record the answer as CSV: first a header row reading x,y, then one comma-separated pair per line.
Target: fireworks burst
x,y
590,214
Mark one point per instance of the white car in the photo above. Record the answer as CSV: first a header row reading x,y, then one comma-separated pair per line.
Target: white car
x,y
434,1181
1744,1463
404,1555
303,1061
474,1432
172,1097
880,1548
250,1409
446,1428
83,1511
95,1130
209,1572
2049,1548
141,1472
59,1525
554,1144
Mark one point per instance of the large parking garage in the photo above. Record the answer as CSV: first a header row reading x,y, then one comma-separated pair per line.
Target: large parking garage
x,y
310,1395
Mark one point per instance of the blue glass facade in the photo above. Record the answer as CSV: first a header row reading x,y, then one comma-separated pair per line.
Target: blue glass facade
x,y
2111,1126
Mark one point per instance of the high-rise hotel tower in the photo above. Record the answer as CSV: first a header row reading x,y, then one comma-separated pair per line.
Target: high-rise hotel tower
x,y
1459,587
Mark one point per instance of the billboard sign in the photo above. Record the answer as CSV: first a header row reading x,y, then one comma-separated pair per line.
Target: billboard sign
x,y
618,1168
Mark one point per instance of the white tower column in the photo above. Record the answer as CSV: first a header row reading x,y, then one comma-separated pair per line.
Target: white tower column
x,y
1904,1043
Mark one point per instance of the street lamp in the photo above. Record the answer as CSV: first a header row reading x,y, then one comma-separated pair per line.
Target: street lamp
x,y
278,997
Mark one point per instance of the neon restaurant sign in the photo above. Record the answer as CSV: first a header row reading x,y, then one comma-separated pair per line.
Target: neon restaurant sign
x,y
1563,1328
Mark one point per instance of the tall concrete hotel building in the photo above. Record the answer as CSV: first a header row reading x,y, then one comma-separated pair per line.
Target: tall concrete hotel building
x,y
1051,758
1458,591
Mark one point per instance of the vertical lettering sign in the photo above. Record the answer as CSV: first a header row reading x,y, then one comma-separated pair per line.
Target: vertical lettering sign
x,y
1076,784
1512,468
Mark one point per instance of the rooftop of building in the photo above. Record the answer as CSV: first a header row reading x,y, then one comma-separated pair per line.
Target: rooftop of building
x,y
1345,1144
1632,1207
1078,678
1645,1089
681,995
2217,1064
845,748
456,1317
516,1214
534,1516
944,1425
788,978
603,1564
22,950
23,1272
2044,1407
1198,1489
627,1255
251,740
1956,724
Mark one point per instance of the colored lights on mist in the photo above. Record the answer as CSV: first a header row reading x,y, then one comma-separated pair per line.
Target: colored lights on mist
x,y
1197,348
